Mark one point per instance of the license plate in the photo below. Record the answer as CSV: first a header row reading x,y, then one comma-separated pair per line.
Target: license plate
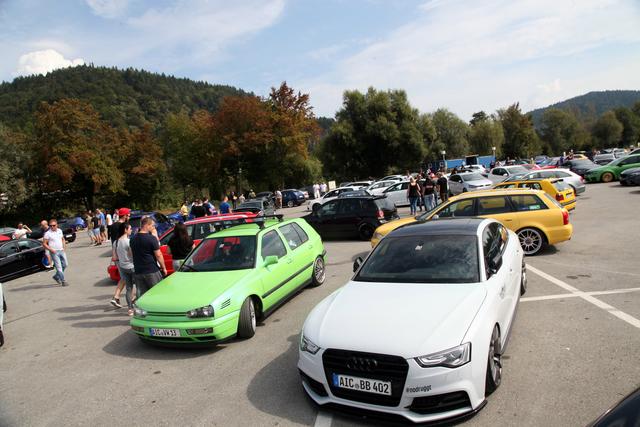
x,y
362,384
164,332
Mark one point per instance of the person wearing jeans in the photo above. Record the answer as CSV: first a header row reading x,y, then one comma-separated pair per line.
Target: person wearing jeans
x,y
428,193
413,193
54,242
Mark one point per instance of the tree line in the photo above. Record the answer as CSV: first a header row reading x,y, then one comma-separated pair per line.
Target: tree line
x,y
78,153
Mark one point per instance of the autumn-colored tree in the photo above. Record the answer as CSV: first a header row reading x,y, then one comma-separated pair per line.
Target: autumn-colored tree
x,y
13,182
73,149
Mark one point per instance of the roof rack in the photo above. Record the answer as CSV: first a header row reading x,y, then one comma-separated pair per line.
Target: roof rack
x,y
258,220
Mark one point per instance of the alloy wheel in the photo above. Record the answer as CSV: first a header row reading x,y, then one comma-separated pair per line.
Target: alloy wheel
x,y
607,177
495,358
318,270
530,240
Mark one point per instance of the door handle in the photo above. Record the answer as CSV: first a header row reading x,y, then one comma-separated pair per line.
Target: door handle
x,y
508,219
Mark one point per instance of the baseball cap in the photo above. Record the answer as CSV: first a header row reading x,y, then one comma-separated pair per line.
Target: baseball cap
x,y
124,211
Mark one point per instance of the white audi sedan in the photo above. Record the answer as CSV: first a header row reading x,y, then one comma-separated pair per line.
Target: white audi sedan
x,y
420,329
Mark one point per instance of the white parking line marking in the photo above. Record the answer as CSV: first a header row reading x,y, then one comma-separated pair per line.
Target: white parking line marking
x,y
323,419
585,295
573,295
591,268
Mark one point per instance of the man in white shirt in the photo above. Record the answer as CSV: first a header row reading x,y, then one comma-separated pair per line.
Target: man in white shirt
x,y
316,191
323,189
54,242
21,231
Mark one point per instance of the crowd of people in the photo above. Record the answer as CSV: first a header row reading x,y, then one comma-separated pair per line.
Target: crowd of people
x,y
426,189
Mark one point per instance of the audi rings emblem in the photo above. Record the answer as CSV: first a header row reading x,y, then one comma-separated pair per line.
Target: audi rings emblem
x,y
362,364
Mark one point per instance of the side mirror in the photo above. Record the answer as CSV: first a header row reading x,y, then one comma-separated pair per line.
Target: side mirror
x,y
357,263
505,174
270,260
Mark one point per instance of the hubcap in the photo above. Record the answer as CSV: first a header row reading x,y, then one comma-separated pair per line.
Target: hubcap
x,y
319,270
252,314
530,241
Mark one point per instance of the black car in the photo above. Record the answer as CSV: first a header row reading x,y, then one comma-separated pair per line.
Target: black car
x,y
356,193
625,413
256,206
630,177
69,233
351,217
20,257
580,166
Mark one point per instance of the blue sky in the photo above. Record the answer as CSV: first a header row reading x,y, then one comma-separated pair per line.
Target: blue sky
x,y
463,55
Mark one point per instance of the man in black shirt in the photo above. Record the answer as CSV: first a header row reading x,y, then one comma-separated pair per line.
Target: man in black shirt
x,y
145,249
198,210
443,187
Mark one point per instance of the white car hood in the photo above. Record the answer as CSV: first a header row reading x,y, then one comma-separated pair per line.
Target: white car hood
x,y
407,320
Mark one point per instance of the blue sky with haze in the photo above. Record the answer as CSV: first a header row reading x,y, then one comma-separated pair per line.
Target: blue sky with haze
x,y
459,54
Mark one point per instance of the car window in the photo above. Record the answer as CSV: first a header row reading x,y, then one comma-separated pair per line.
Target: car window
x,y
630,160
223,254
506,186
291,236
28,244
455,178
498,171
165,239
457,209
333,193
491,243
301,233
394,187
349,207
561,185
532,185
272,245
527,202
8,249
404,185
328,208
202,230
493,205
561,174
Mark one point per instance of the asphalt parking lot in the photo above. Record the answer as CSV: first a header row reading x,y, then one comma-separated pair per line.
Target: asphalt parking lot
x,y
70,358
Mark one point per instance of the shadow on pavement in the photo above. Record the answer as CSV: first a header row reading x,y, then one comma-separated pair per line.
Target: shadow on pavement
x,y
32,287
105,282
276,389
130,346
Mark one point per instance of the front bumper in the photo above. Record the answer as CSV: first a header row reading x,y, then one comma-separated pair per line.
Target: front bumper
x,y
220,329
421,387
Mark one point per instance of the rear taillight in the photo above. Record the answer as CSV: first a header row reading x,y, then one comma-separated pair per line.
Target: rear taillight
x,y
380,214
565,217
559,197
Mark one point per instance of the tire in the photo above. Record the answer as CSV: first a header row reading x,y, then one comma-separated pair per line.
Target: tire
x,y
79,228
575,193
494,363
319,273
247,320
365,231
607,177
523,279
531,240
290,204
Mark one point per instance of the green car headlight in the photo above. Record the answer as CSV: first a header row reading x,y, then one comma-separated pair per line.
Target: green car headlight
x,y
451,358
206,311
139,312
307,345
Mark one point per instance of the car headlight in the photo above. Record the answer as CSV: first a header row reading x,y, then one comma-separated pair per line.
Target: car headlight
x,y
377,235
139,312
206,311
451,358
307,345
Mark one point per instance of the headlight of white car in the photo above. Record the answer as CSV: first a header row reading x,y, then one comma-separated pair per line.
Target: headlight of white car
x,y
307,345
451,358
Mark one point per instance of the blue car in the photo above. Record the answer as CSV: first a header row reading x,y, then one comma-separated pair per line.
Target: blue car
x,y
76,223
162,222
292,198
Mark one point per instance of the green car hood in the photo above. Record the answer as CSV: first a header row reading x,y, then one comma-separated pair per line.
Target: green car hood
x,y
183,291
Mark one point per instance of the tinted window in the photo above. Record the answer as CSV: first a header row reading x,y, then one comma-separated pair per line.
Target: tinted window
x,y
272,245
561,185
8,249
333,193
222,254
328,208
202,230
349,207
455,178
527,202
561,174
533,185
301,233
28,244
422,259
393,187
630,160
493,205
457,209
291,236
472,177
498,171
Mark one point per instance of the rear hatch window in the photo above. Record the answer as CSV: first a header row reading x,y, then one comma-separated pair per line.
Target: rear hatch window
x,y
384,204
561,186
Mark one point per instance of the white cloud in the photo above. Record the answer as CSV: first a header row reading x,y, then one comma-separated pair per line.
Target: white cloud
x,y
469,55
108,8
43,61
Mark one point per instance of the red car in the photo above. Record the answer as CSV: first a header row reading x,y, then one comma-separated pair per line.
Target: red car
x,y
198,229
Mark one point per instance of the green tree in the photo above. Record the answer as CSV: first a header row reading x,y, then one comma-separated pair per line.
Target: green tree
x,y
75,150
485,134
630,126
607,130
375,133
520,139
562,132
13,181
452,133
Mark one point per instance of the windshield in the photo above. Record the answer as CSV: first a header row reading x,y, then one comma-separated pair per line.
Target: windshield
x,y
517,169
222,254
472,177
423,259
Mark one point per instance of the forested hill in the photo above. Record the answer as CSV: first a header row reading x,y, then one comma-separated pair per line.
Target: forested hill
x,y
123,97
590,106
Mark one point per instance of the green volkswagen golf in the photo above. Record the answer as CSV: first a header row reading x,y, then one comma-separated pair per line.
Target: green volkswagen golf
x,y
611,171
231,279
